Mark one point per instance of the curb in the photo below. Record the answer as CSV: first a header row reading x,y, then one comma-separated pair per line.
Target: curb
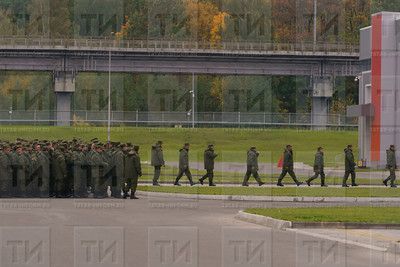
x,y
272,198
282,224
345,225
289,226
343,241
263,220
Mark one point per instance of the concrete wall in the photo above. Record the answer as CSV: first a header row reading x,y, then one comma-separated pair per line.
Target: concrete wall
x,y
64,88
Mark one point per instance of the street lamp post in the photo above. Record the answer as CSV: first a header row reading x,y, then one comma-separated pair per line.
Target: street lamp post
x,y
193,100
109,96
315,24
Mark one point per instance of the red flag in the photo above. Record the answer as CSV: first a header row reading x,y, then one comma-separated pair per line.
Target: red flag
x,y
280,162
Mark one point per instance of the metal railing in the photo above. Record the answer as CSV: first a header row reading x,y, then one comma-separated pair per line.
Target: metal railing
x,y
176,46
201,119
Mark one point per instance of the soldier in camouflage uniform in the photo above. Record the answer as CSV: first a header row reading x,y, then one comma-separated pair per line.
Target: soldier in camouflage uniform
x,y
391,165
184,165
22,164
157,160
40,175
97,166
133,171
69,179
6,179
349,167
252,167
48,152
79,172
108,170
288,167
59,171
318,168
209,158
119,161
14,161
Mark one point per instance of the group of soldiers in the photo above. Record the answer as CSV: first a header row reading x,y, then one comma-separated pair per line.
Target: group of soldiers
x,y
287,167
68,169
78,169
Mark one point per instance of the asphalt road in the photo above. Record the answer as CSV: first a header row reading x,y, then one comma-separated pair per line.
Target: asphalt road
x,y
159,232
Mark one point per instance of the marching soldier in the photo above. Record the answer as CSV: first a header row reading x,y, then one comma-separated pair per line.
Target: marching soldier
x,y
133,171
184,165
318,168
157,161
252,167
288,167
209,158
349,167
391,165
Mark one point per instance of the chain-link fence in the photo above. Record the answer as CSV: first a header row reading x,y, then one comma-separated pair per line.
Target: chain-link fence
x,y
177,119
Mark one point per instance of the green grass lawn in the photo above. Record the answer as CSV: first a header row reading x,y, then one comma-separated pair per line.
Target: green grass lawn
x,y
275,191
389,215
231,144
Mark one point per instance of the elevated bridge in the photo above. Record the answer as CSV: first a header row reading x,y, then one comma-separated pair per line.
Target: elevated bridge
x,y
160,56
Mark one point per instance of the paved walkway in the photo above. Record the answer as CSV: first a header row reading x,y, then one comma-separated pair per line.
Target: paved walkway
x,y
161,232
270,169
267,185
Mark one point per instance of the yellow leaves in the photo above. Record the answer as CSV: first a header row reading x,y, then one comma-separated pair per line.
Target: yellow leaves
x,y
125,27
13,82
218,26
218,87
206,21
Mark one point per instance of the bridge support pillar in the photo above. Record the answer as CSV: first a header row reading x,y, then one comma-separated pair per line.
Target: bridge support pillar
x,y
64,88
322,93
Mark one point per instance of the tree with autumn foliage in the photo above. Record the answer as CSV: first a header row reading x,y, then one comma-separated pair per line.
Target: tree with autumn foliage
x,y
206,22
356,16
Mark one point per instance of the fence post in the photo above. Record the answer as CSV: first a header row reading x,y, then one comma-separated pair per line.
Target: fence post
x,y
265,119
34,117
239,118
137,118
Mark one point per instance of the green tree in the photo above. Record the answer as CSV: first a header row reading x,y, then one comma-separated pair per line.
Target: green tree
x,y
61,18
